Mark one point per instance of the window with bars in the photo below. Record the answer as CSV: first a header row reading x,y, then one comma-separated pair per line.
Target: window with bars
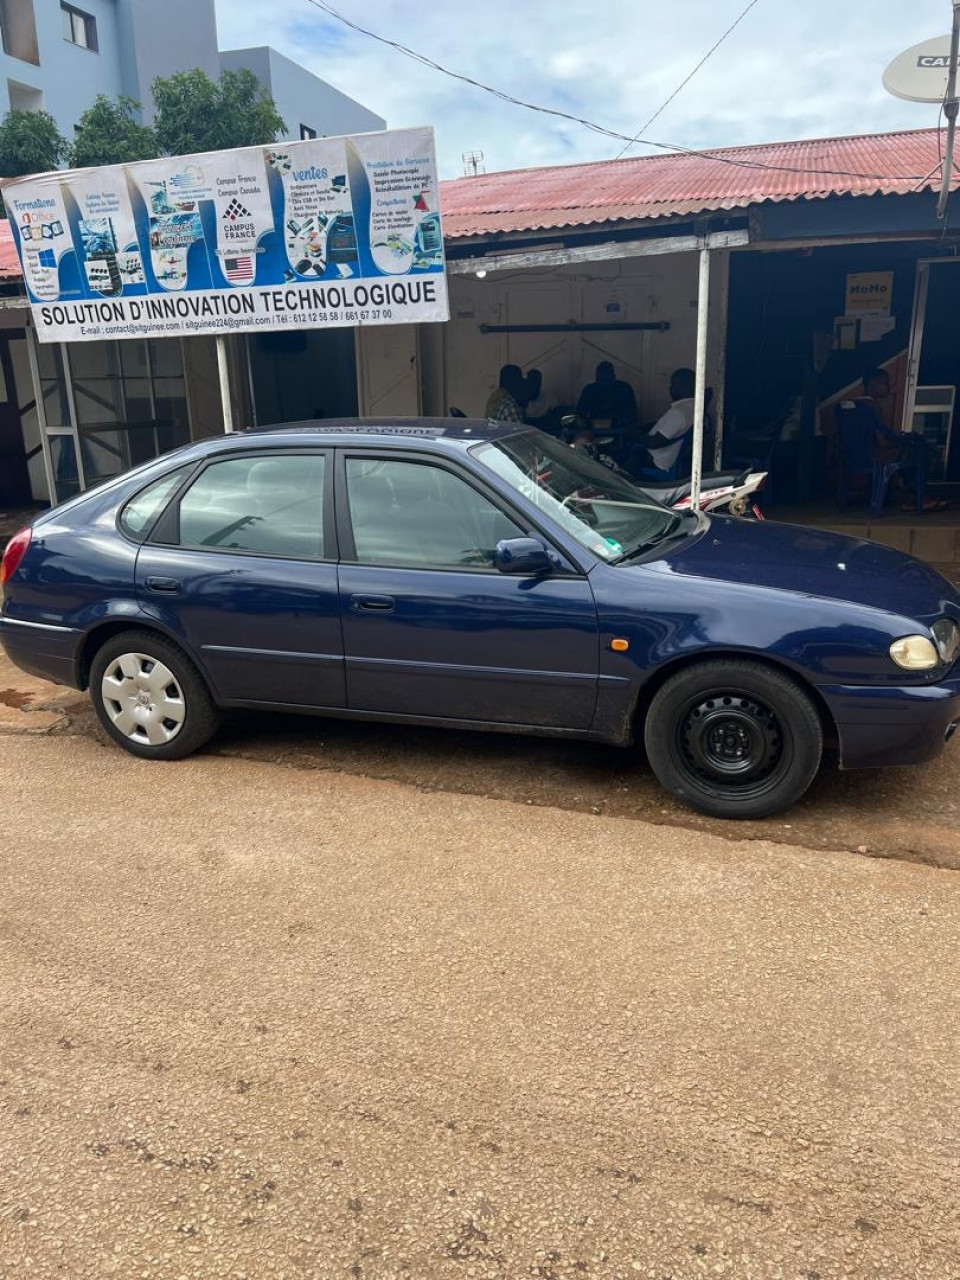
x,y
79,27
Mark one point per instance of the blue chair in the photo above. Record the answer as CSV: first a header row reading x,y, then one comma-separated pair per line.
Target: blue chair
x,y
859,428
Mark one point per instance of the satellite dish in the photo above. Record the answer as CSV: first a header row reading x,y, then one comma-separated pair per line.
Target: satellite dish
x,y
920,73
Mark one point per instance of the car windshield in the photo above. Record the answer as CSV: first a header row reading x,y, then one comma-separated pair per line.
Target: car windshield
x,y
604,512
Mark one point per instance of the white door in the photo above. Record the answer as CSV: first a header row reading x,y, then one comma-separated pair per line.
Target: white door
x,y
536,302
388,371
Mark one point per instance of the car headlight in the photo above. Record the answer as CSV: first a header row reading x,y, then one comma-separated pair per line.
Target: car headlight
x,y
947,635
915,653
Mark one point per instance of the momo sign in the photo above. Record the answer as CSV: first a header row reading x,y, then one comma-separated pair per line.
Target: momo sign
x,y
321,233
869,293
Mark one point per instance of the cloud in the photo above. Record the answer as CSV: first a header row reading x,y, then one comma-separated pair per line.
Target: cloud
x,y
786,72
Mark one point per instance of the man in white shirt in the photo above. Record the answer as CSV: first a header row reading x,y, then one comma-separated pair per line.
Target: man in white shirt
x,y
665,441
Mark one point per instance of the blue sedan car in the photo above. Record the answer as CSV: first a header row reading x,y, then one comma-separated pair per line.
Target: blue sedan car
x,y
481,575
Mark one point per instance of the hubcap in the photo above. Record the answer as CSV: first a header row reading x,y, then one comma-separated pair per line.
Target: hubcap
x,y
730,740
143,699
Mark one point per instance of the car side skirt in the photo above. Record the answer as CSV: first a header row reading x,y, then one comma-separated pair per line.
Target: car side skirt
x,y
438,722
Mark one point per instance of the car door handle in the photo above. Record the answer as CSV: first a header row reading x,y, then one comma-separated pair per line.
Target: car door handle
x,y
168,586
373,604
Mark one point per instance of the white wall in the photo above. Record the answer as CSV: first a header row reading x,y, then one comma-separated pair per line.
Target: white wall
x,y
301,97
633,290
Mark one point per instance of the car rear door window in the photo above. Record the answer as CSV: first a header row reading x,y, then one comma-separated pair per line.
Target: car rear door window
x,y
415,514
141,511
266,505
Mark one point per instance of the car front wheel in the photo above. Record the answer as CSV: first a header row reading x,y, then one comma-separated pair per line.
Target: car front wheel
x,y
734,739
150,698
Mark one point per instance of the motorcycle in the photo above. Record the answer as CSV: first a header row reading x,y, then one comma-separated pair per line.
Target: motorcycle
x,y
734,493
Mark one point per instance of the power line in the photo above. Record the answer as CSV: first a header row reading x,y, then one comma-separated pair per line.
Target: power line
x,y
683,83
423,60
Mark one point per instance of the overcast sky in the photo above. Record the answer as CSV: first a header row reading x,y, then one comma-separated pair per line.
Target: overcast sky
x,y
792,69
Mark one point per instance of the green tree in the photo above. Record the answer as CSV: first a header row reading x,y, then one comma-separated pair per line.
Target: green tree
x,y
109,132
195,113
30,142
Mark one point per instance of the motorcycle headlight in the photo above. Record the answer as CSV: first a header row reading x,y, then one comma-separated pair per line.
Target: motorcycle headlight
x,y
915,653
947,635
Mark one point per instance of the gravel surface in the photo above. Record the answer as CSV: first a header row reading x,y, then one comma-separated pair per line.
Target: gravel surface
x,y
267,1022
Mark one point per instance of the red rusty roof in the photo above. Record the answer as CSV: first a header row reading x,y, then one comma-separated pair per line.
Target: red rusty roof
x,y
660,186
9,262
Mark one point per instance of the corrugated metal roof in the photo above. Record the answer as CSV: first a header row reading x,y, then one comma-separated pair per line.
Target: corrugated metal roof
x,y
9,262
661,186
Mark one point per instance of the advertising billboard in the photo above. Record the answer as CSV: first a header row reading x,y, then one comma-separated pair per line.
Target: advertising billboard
x,y
320,233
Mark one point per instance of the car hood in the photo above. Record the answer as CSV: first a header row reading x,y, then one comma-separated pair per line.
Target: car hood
x,y
814,562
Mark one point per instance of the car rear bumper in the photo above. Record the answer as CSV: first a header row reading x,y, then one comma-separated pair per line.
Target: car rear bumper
x,y
41,649
879,727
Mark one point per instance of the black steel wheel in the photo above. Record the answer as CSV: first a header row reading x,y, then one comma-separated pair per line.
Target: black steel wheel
x,y
733,738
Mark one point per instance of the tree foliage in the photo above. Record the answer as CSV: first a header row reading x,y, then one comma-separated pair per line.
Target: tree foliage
x,y
30,142
195,113
109,132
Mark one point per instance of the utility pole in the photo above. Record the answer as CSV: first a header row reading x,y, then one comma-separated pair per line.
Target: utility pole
x,y
951,108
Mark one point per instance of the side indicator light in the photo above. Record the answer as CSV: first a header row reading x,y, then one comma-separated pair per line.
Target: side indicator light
x,y
619,646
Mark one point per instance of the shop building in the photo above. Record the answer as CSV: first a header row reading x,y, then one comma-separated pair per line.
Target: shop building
x,y
826,259
822,259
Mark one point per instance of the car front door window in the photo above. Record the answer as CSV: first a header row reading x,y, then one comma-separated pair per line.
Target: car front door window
x,y
416,515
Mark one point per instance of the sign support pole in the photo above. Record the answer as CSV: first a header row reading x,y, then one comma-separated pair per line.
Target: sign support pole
x,y
703,315
951,108
223,369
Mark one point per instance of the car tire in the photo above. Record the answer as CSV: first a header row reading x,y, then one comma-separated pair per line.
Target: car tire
x,y
150,698
734,739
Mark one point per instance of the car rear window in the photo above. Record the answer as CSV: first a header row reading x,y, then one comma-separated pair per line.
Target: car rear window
x,y
141,511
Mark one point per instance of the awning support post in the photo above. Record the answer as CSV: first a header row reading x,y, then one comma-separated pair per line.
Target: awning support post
x,y
699,402
223,368
720,400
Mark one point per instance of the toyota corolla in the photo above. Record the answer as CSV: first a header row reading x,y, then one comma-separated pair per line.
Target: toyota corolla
x,y
481,575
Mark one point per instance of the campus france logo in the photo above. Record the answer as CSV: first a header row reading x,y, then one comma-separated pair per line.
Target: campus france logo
x,y
235,212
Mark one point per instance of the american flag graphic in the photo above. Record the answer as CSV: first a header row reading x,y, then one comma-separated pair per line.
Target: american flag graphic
x,y
239,270
235,211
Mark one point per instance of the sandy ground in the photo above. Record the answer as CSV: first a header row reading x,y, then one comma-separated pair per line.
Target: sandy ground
x,y
912,814
292,1022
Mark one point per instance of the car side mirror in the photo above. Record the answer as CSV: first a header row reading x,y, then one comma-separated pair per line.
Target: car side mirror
x,y
526,556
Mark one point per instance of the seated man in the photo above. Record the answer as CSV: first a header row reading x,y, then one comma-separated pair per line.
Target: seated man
x,y
506,404
866,439
661,448
608,399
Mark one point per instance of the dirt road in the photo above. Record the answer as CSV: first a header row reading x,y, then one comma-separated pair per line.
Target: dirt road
x,y
276,1022
913,814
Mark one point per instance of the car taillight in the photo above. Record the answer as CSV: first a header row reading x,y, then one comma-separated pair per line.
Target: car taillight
x,y
16,549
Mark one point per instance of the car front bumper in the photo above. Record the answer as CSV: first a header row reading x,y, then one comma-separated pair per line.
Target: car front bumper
x,y
41,649
879,727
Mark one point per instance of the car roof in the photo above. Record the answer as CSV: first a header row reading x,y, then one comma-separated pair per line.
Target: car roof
x,y
457,431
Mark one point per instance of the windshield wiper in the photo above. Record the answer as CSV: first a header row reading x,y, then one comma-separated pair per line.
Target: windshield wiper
x,y
669,532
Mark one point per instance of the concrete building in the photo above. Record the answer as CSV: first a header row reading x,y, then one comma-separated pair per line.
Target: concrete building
x,y
310,107
57,56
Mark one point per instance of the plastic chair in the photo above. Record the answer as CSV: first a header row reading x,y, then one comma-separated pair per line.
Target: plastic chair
x,y
859,427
